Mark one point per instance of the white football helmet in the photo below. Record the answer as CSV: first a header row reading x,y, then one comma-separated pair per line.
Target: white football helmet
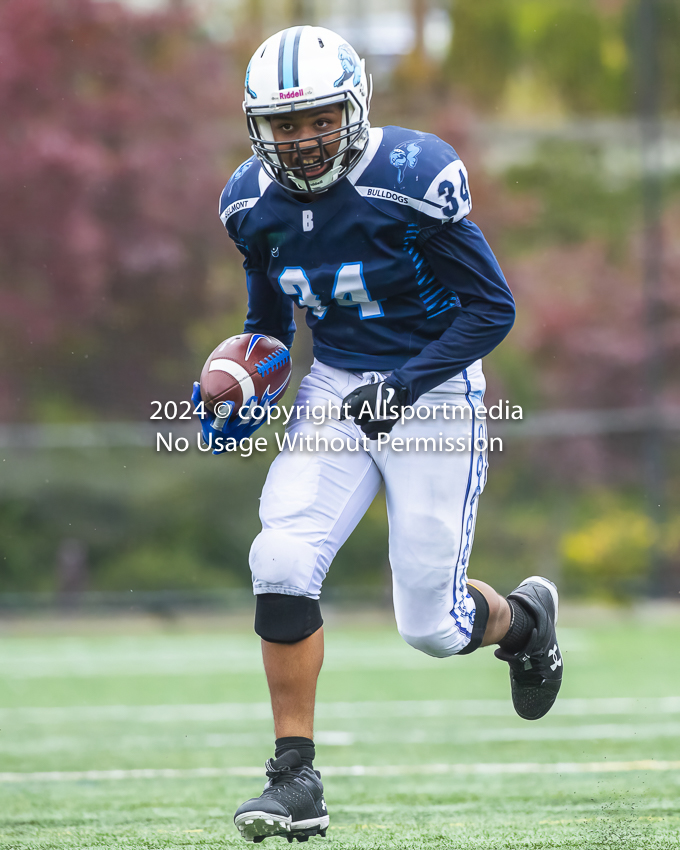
x,y
304,68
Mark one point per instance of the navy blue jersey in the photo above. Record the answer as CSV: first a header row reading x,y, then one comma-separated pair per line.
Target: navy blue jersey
x,y
391,273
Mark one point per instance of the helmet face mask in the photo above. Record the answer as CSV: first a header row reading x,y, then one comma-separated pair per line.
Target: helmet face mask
x,y
339,149
321,70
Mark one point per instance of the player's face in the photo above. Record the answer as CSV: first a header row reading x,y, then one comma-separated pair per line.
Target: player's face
x,y
304,127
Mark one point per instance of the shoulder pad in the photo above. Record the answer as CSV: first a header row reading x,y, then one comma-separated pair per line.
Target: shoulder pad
x,y
417,171
244,189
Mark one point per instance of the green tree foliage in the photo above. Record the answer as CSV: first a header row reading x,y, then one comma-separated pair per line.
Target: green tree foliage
x,y
584,58
668,22
583,55
485,49
575,197
608,556
149,521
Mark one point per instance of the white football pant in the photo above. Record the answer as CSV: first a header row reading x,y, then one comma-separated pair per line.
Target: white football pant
x,y
313,499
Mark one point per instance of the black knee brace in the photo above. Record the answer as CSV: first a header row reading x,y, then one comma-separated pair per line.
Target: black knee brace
x,y
286,619
481,619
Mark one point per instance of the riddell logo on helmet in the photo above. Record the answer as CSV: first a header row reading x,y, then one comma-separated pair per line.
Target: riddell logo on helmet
x,y
289,94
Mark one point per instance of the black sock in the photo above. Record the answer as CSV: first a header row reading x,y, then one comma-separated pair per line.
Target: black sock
x,y
522,624
304,746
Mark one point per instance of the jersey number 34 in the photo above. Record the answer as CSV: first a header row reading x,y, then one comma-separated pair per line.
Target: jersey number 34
x,y
349,290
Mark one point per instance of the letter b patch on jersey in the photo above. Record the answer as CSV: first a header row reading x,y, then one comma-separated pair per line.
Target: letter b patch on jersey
x,y
307,220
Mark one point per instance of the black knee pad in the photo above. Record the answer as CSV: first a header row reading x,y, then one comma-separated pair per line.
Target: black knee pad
x,y
286,619
481,619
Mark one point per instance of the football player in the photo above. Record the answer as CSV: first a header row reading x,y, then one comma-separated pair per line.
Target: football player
x,y
366,229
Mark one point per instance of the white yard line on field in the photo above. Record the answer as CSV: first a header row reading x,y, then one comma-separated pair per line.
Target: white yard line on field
x,y
187,656
460,737
219,712
351,770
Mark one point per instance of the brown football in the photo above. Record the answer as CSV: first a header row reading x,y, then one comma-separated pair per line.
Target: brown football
x,y
243,367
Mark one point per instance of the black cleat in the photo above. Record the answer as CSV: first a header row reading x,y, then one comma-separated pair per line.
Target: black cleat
x,y
291,804
536,670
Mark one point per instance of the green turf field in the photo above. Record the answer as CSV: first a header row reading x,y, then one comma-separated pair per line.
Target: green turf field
x,y
151,739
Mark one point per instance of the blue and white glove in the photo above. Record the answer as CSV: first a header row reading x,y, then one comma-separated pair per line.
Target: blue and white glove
x,y
216,428
386,400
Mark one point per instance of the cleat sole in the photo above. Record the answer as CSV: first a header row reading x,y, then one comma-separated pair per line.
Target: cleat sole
x,y
534,703
256,826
